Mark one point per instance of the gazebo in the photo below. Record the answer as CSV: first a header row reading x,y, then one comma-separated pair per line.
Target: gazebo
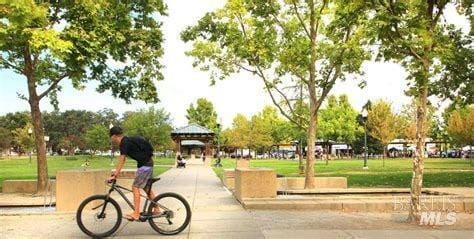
x,y
193,137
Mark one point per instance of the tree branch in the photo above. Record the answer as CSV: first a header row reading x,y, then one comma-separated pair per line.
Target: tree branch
x,y
300,19
283,112
319,17
438,14
11,65
53,85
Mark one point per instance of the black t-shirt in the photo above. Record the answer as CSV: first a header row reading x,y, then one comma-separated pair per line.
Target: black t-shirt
x,y
138,149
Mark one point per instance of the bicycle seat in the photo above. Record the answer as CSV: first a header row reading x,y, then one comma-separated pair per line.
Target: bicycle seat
x,y
153,180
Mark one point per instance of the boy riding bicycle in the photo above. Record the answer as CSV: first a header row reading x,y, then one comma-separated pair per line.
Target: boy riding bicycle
x,y
141,151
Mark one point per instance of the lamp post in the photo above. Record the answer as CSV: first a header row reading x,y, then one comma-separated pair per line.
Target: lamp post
x,y
218,163
111,147
364,118
30,132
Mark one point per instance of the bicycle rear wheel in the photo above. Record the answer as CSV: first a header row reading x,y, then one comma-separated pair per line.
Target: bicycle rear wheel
x,y
175,214
99,216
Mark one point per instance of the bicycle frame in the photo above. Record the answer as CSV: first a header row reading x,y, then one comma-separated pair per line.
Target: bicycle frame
x,y
118,189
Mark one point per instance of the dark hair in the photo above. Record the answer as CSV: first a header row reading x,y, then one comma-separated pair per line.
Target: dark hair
x,y
115,131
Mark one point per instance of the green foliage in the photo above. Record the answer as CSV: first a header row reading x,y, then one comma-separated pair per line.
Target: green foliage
x,y
97,138
338,120
22,138
460,126
15,120
72,142
80,39
382,122
299,44
435,54
240,134
203,114
60,126
152,124
5,139
260,132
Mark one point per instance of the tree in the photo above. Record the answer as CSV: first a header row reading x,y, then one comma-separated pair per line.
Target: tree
x,y
290,45
5,139
338,120
152,124
97,138
203,114
240,135
461,126
382,124
60,125
260,133
23,138
49,41
12,121
71,143
433,53
108,116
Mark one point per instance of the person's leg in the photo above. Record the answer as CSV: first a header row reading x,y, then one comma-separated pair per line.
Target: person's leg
x,y
151,196
136,201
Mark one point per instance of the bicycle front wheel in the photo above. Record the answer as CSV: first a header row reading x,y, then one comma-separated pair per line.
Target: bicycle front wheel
x,y
175,214
99,216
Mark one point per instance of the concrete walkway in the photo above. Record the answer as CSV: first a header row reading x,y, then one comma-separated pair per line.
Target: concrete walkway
x,y
216,214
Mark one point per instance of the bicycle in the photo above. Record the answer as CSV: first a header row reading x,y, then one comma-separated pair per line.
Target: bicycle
x,y
100,215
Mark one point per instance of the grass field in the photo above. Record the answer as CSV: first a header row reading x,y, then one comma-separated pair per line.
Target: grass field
x,y
22,169
396,173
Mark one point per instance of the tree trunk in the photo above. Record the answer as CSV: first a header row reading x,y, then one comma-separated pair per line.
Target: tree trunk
x,y
300,159
418,160
42,167
309,177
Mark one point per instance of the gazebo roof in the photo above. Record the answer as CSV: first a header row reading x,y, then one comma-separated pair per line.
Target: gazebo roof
x,y
192,143
192,129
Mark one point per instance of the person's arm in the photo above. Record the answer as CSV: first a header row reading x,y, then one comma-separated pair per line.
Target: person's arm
x,y
120,163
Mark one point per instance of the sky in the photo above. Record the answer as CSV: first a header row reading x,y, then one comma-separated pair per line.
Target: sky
x,y
183,84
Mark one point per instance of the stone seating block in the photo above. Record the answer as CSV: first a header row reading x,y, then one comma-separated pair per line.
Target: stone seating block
x,y
255,183
22,186
73,186
229,178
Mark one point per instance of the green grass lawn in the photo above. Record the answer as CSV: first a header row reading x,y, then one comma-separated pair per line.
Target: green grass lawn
x,y
396,173
22,169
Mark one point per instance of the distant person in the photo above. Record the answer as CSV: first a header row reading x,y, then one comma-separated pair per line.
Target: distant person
x,y
181,162
203,156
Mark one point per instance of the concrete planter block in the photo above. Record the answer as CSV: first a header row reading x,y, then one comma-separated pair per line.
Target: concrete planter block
x,y
331,182
294,183
255,183
242,163
73,186
22,186
228,178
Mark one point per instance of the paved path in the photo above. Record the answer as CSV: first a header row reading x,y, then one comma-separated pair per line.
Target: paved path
x,y
216,214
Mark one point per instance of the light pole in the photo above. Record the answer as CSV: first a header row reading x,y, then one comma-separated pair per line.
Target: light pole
x,y
218,163
111,147
364,119
30,132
